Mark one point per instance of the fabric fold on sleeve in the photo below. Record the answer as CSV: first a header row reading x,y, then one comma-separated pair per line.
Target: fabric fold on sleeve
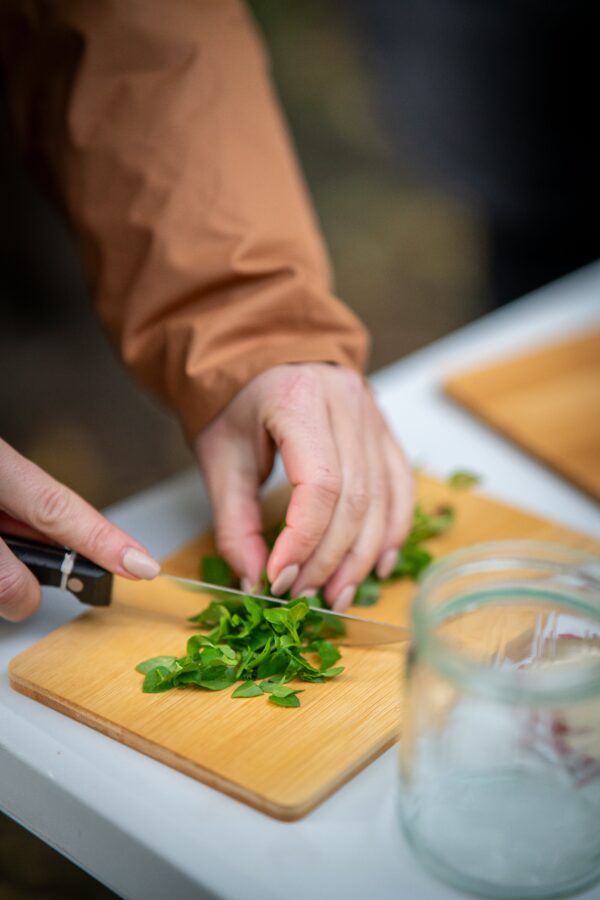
x,y
206,262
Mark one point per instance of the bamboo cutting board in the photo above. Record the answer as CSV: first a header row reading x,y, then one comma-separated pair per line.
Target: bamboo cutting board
x,y
548,401
281,761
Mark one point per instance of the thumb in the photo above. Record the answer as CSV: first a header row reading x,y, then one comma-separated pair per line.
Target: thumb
x,y
19,591
34,498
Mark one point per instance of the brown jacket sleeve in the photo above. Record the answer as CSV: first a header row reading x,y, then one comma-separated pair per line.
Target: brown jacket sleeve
x,y
206,262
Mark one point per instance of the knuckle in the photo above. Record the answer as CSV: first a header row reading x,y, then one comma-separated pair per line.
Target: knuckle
x,y
358,501
357,565
305,535
328,485
51,508
356,561
379,491
99,538
300,391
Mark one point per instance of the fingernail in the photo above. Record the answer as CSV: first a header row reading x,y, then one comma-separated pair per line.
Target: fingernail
x,y
308,592
345,598
386,564
285,580
246,585
140,564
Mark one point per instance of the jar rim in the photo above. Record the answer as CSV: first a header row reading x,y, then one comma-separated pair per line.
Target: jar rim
x,y
513,685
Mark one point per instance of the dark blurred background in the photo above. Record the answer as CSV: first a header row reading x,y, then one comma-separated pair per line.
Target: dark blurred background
x,y
450,150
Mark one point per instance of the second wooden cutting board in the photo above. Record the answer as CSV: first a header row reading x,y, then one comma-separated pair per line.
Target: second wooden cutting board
x,y
548,401
282,761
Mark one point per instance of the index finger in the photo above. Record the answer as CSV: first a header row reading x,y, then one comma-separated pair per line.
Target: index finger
x,y
32,496
302,432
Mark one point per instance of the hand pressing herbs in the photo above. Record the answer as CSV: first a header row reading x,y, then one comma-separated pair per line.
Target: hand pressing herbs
x,y
412,559
260,646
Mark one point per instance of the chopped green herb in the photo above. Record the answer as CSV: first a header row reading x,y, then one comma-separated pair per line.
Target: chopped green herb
x,y
248,689
158,679
290,700
463,479
277,689
411,561
429,525
215,570
166,662
328,653
246,640
368,591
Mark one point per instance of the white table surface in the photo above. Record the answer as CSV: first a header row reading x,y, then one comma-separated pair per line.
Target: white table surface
x,y
149,832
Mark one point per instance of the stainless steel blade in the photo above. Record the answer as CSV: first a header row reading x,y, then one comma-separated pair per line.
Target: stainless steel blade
x,y
357,631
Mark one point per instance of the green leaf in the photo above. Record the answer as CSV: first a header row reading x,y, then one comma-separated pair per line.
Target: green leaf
x,y
274,664
298,610
165,662
332,673
427,525
264,653
462,480
247,689
157,680
368,592
328,653
215,570
215,684
254,610
280,615
212,680
196,643
277,689
211,615
291,700
411,562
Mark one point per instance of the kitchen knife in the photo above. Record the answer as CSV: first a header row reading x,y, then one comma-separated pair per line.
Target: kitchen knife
x,y
91,584
63,568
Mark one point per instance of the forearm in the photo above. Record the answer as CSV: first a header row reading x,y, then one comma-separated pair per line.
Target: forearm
x,y
206,263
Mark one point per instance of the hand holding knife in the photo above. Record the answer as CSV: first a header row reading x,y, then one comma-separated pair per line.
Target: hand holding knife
x,y
91,584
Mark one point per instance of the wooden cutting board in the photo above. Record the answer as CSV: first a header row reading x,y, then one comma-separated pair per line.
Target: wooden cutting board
x,y
281,761
548,401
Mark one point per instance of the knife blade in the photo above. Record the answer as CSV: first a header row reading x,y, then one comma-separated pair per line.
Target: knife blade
x,y
92,584
347,628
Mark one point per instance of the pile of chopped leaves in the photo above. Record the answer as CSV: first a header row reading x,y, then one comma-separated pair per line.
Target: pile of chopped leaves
x,y
261,646
265,647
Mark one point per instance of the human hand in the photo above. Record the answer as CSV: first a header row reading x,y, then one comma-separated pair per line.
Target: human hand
x,y
353,496
33,504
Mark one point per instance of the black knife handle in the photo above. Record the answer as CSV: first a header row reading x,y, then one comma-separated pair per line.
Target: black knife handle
x,y
63,568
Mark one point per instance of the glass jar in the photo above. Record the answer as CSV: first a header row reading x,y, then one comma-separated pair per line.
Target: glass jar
x,y
500,751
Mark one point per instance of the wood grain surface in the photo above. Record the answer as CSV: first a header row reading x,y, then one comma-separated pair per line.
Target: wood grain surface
x,y
548,401
281,761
